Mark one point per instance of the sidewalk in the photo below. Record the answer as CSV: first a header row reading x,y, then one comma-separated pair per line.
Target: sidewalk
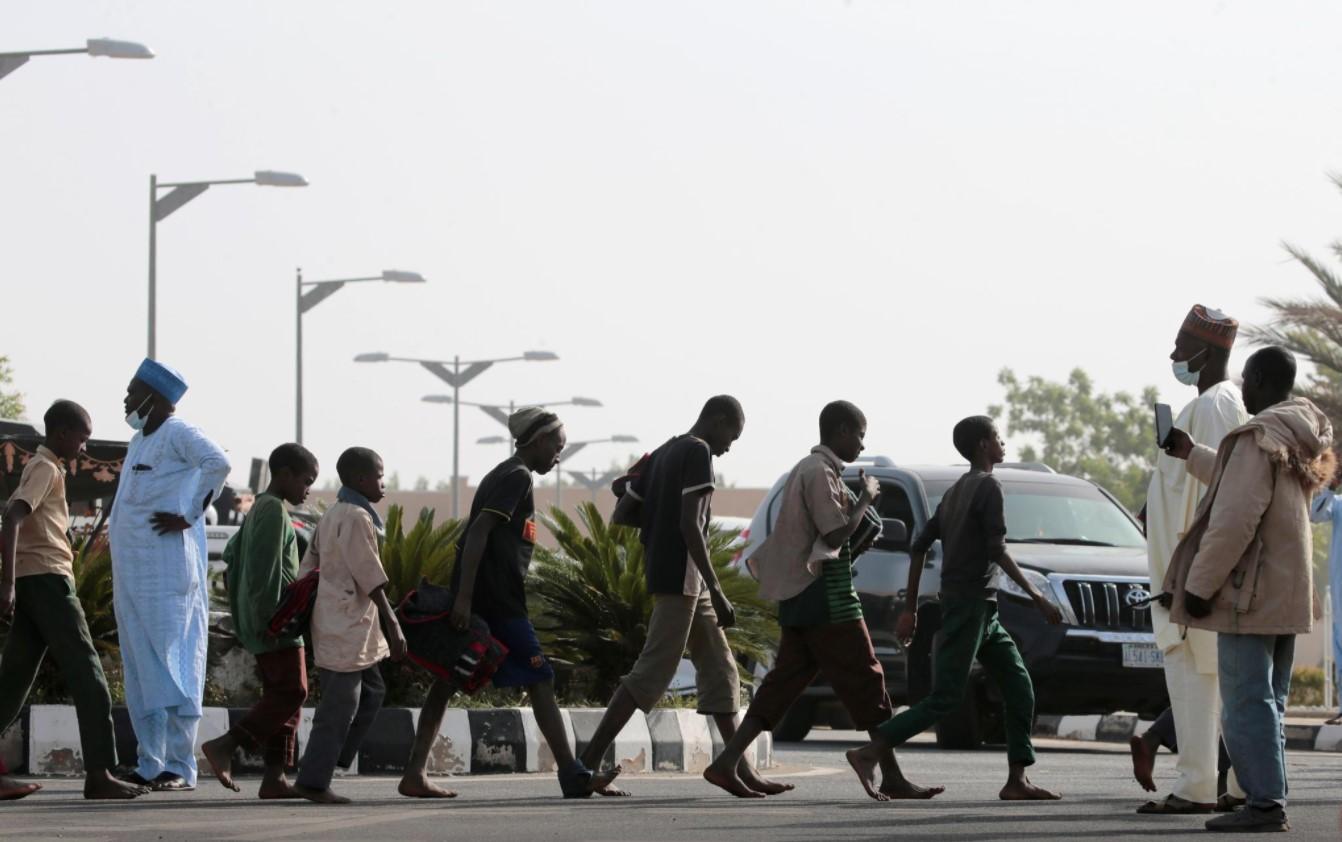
x,y
1303,733
45,741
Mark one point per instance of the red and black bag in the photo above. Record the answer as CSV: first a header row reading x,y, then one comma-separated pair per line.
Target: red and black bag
x,y
293,616
467,658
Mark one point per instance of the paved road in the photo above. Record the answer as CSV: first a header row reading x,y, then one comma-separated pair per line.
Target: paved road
x,y
1100,797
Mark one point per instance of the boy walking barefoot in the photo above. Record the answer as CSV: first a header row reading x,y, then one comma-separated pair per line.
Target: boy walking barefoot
x,y
806,564
670,503
490,581
262,560
353,625
37,597
971,523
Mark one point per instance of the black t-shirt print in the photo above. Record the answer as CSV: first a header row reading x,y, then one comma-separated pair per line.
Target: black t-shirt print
x,y
500,583
678,472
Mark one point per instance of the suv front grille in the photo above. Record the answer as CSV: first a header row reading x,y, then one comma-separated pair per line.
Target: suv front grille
x,y
1099,604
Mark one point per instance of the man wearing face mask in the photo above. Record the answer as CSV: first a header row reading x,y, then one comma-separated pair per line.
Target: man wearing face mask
x,y
160,575
1200,358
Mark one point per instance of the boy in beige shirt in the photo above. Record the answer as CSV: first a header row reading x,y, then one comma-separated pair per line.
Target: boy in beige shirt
x,y
353,625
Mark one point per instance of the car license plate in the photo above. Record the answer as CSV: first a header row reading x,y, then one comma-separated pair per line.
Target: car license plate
x,y
1143,656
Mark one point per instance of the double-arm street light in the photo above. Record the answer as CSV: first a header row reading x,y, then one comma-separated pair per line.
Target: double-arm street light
x,y
456,373
317,292
179,193
501,412
106,47
572,450
594,480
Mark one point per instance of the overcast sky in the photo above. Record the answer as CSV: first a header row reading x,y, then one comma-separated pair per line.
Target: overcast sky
x,y
788,201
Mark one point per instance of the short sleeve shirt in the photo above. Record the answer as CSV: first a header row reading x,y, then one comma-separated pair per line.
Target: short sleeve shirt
x,y
43,545
500,582
814,503
678,472
971,523
346,634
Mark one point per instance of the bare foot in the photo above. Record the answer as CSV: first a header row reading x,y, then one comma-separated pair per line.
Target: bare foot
x,y
752,779
904,790
12,790
729,781
602,784
277,790
320,796
106,787
1023,790
419,787
1143,761
219,753
864,761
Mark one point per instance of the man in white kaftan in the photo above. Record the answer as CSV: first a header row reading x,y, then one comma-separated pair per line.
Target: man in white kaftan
x,y
161,576
1200,358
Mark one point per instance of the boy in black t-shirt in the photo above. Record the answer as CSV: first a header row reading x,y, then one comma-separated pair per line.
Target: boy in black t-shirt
x,y
970,521
669,502
489,581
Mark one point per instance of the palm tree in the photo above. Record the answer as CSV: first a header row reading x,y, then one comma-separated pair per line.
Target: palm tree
x,y
592,603
1312,328
426,552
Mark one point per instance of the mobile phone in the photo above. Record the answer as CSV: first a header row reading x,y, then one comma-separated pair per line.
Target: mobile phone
x,y
1164,424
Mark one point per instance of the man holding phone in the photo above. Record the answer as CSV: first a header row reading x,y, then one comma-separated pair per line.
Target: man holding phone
x,y
1200,358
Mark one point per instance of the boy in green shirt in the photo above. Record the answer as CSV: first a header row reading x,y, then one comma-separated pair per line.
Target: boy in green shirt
x,y
262,559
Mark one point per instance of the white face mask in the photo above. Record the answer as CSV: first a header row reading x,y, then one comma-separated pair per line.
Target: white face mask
x,y
135,420
1181,372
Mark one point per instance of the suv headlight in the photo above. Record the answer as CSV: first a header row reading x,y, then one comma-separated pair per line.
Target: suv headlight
x,y
1041,583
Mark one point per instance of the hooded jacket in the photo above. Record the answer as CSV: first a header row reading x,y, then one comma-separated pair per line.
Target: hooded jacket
x,y
1250,548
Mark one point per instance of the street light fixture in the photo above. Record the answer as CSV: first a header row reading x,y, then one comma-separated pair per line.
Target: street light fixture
x,y
319,292
455,375
105,47
572,450
501,412
181,192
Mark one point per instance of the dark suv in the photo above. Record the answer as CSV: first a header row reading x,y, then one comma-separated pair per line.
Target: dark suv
x,y
1077,545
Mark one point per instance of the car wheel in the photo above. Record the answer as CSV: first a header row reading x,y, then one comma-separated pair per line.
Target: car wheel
x,y
796,722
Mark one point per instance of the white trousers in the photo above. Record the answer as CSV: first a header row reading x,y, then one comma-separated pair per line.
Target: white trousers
x,y
167,743
1195,699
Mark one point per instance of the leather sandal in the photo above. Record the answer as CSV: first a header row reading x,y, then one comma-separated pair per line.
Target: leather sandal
x,y
1173,805
1228,803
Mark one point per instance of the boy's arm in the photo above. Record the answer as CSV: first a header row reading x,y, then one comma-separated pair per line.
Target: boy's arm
x,y
835,538
477,538
15,512
263,554
693,510
192,447
1048,609
390,627
907,624
993,512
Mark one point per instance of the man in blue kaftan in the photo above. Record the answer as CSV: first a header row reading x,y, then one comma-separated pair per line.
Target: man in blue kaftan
x,y
160,574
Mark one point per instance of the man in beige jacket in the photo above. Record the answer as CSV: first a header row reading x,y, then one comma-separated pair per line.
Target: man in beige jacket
x,y
1243,570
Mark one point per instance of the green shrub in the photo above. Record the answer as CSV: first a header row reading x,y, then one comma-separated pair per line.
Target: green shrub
x,y
1306,688
591,604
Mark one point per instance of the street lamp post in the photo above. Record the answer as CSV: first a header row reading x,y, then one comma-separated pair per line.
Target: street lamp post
x,y
181,192
572,450
594,480
319,292
453,374
106,47
502,412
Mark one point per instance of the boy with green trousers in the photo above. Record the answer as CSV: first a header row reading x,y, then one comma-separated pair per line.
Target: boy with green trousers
x,y
38,599
262,560
970,521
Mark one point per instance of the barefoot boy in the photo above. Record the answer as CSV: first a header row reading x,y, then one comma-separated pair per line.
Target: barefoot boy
x,y
37,597
349,620
490,581
971,523
262,559
821,616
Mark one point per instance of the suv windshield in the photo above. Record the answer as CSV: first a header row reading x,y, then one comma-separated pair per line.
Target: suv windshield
x,y
1057,513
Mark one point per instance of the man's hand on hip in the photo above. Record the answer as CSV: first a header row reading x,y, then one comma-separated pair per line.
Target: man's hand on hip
x,y
165,523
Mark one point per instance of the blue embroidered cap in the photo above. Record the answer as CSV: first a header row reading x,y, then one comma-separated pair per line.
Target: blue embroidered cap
x,y
166,381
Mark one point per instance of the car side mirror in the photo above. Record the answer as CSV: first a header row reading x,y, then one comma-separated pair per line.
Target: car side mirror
x,y
894,536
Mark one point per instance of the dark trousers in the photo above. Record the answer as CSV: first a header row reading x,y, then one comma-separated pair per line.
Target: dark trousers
x,y
970,629
350,702
843,652
48,617
271,726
